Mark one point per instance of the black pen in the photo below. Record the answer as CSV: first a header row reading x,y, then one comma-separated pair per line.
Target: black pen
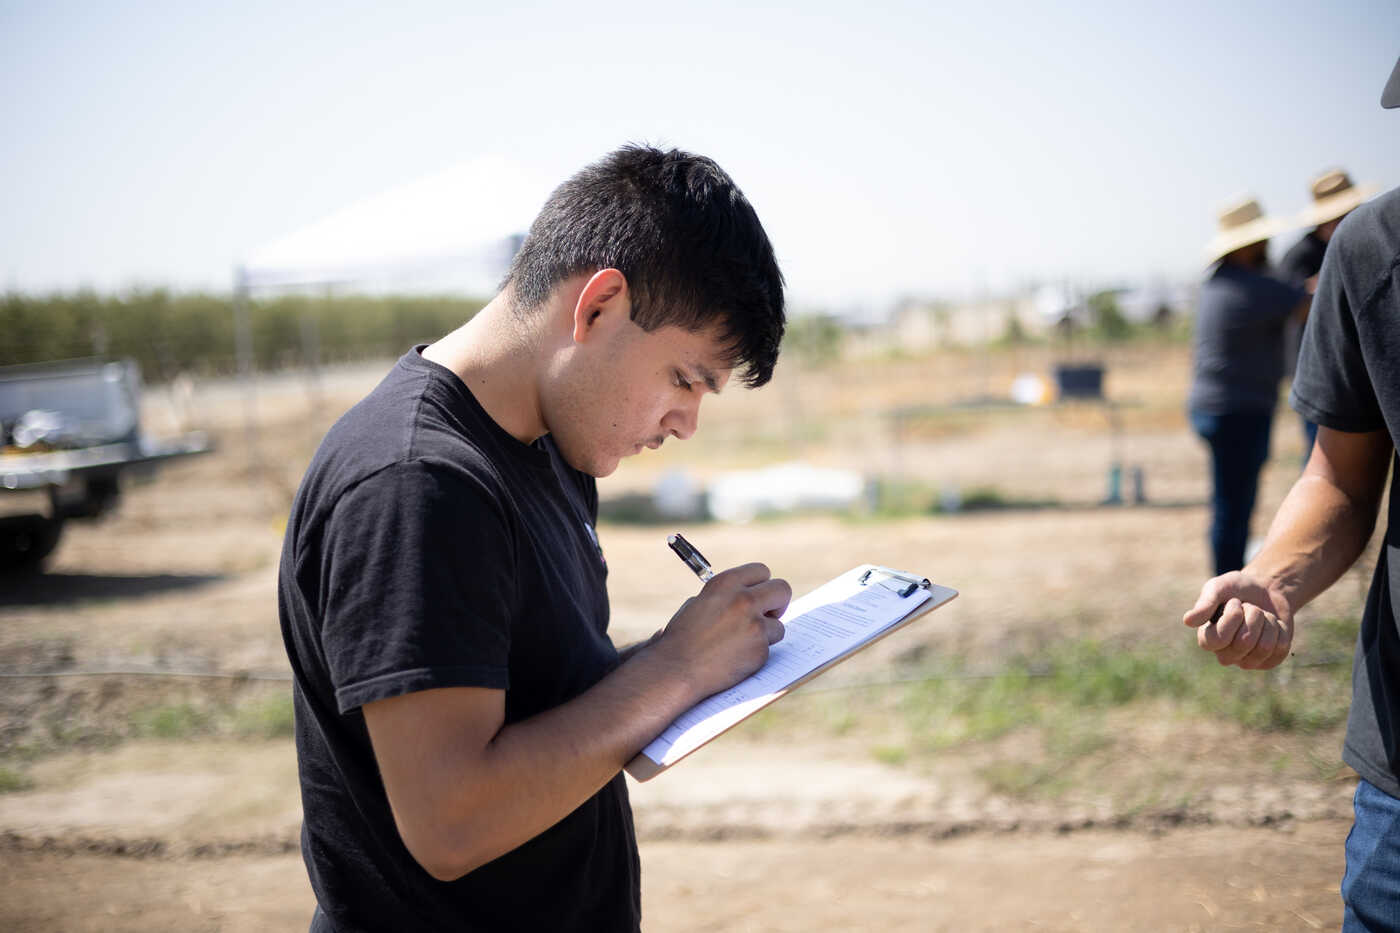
x,y
693,558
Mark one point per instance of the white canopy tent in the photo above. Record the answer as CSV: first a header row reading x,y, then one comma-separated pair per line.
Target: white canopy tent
x,y
451,232
455,230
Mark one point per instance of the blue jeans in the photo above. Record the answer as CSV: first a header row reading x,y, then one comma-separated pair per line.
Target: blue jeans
x,y
1371,885
1239,445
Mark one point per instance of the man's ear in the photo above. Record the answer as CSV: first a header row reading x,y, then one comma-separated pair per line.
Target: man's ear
x,y
602,301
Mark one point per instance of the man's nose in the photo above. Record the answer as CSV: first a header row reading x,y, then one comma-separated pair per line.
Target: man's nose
x,y
682,422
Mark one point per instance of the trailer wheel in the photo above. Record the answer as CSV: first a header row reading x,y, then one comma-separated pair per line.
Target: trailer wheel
x,y
25,540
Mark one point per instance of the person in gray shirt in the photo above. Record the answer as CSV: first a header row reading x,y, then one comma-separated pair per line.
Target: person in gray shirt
x,y
1348,382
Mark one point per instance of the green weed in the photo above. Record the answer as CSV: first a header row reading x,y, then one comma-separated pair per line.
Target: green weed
x,y
890,754
268,718
260,717
900,498
173,721
1062,690
12,781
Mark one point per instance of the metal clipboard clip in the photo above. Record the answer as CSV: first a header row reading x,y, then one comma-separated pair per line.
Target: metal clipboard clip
x,y
901,583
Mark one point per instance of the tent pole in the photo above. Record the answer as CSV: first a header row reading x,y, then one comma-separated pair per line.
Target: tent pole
x,y
243,340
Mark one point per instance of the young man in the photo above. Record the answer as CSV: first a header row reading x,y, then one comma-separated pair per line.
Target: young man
x,y
462,715
1348,382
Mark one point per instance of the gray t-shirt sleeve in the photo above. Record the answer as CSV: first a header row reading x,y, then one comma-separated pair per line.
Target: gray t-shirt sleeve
x,y
1332,386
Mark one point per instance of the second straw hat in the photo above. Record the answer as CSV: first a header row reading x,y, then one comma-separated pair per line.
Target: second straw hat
x,y
1333,195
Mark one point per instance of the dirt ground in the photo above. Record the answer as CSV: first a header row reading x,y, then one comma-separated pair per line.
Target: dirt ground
x,y
1215,878
147,786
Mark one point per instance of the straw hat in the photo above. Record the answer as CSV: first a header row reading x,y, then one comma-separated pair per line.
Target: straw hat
x,y
1333,195
1240,224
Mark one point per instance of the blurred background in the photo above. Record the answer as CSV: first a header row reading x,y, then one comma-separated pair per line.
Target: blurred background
x,y
224,224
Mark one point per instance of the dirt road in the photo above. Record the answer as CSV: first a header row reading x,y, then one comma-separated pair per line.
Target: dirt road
x,y
1214,878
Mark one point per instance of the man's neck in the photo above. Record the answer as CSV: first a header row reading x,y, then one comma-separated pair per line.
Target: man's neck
x,y
494,356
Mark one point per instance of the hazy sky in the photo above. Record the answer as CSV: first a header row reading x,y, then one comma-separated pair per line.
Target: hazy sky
x,y
890,148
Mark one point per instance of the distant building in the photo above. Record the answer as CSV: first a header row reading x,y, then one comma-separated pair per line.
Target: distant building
x,y
923,324
1037,313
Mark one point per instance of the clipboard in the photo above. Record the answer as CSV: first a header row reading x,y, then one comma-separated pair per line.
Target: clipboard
x,y
716,715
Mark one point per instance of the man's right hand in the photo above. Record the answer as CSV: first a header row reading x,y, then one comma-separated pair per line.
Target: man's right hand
x,y
722,635
1254,625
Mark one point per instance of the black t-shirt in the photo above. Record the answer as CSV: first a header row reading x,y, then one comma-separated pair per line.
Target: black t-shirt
x,y
429,548
1349,380
1303,259
1238,358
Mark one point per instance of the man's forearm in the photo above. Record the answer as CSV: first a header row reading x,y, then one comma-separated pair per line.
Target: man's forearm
x,y
565,754
459,804
1247,617
466,788
1317,535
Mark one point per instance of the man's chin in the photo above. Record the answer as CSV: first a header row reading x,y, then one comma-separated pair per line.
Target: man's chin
x,y
602,468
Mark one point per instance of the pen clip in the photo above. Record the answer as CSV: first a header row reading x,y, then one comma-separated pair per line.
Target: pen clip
x,y
692,557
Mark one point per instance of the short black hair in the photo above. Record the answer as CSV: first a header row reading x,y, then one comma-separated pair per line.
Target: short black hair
x,y
683,234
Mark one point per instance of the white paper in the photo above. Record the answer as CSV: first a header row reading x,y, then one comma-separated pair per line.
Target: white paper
x,y
821,626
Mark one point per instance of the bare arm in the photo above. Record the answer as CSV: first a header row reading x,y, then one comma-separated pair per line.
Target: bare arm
x,y
1319,531
465,788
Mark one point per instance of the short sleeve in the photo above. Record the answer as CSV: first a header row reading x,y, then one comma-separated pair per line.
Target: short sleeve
x,y
1332,386
417,585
